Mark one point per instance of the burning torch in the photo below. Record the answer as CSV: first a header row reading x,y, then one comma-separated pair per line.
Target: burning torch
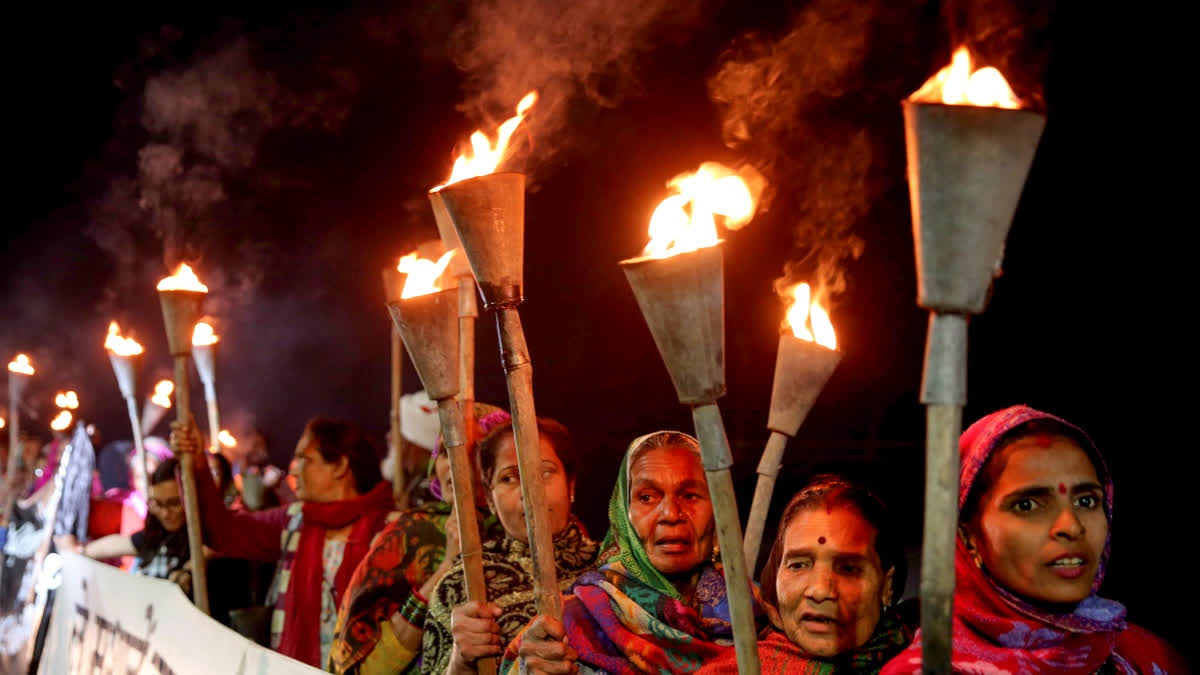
x,y
121,353
426,318
678,283
487,211
803,363
969,150
180,295
157,405
20,370
204,353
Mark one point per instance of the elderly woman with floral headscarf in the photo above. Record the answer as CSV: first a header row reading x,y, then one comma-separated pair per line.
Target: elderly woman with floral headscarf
x,y
658,603
1035,502
829,586
457,632
381,619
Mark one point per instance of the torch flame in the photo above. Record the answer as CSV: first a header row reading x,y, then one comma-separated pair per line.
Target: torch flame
x,y
713,190
3,423
66,399
21,364
203,335
227,439
423,274
808,319
121,346
183,280
956,84
61,421
484,155
162,393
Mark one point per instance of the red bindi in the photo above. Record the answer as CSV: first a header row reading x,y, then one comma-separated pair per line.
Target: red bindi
x,y
820,540
1062,489
1043,440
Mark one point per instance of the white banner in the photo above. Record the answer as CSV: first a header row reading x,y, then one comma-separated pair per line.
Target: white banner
x,y
106,621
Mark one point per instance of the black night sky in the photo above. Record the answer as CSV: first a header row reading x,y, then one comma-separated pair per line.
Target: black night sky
x,y
286,154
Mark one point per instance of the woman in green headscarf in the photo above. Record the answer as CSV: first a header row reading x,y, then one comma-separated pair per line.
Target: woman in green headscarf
x,y
658,603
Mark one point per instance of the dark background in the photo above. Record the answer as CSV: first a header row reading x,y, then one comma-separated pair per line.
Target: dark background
x,y
336,121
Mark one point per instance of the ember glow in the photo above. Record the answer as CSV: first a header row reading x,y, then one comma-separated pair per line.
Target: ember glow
x,y
3,423
66,399
686,221
162,393
957,84
485,155
226,439
183,280
61,421
21,364
203,335
121,346
423,274
808,319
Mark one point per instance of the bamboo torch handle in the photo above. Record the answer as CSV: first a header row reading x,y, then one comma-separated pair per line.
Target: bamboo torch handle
x,y
140,475
399,494
768,471
714,447
518,372
191,505
467,311
454,439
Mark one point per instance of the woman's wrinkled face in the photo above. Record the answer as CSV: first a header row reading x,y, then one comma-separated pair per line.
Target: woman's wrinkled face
x,y
316,479
504,496
830,584
1040,528
166,505
670,509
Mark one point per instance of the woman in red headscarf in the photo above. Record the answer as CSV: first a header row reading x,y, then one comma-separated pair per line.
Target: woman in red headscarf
x,y
1035,502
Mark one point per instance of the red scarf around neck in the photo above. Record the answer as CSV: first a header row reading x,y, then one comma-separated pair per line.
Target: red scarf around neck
x,y
365,514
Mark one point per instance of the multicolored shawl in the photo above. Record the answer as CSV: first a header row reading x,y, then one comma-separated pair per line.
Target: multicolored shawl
x,y
627,618
996,631
295,625
508,568
402,557
778,655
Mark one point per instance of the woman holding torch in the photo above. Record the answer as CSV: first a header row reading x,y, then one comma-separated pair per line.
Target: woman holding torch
x,y
1035,502
458,632
317,541
381,620
659,602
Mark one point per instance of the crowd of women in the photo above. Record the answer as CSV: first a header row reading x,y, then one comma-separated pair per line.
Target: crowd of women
x,y
362,587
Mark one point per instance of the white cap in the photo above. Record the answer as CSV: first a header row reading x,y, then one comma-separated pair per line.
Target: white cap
x,y
419,420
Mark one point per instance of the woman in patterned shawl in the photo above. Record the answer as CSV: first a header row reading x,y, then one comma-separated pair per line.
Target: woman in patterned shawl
x,y
1035,500
458,632
828,586
380,620
658,603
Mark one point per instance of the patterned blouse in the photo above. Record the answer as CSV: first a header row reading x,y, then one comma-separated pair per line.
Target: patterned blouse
x,y
508,569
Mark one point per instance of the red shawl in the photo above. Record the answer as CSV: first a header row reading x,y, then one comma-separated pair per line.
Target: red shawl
x,y
997,632
301,638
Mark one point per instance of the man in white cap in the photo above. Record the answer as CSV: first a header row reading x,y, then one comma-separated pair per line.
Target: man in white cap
x,y
419,427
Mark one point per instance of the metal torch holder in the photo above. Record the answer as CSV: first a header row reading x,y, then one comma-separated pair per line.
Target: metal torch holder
x,y
966,169
682,300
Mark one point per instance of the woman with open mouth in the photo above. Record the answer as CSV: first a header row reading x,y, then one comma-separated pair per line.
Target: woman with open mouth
x,y
1035,503
658,602
829,586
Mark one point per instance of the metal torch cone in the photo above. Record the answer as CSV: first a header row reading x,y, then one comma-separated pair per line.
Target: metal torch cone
x,y
682,300
393,285
966,170
152,414
125,368
488,214
429,326
180,311
205,357
802,368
